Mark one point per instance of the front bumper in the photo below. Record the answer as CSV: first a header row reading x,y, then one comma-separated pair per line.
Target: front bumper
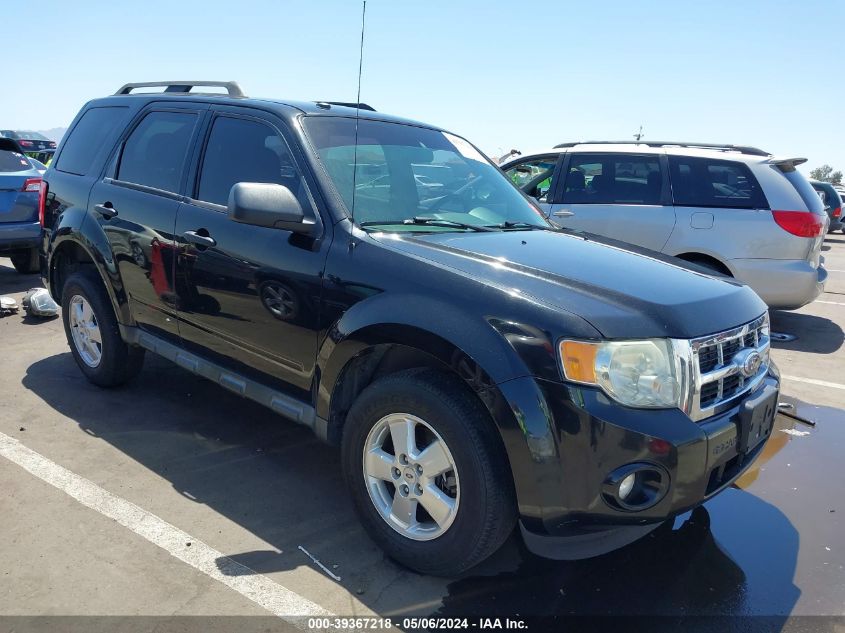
x,y
563,512
16,236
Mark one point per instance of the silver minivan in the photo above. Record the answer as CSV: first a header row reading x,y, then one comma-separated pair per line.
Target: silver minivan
x,y
737,210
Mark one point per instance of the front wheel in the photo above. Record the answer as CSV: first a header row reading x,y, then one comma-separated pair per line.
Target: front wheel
x,y
427,472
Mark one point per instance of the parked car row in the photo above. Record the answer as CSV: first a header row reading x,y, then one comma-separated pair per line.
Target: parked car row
x,y
737,211
382,282
29,141
21,197
832,201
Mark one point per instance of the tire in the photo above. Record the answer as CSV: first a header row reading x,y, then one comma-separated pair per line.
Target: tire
x,y
481,490
117,362
26,262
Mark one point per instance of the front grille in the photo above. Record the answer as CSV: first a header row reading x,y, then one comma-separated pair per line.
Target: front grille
x,y
723,365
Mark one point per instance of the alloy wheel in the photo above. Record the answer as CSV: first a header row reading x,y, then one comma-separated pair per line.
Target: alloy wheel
x,y
85,331
411,476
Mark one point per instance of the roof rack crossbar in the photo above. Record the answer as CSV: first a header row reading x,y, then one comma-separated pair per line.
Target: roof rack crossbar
x,y
346,104
183,87
742,149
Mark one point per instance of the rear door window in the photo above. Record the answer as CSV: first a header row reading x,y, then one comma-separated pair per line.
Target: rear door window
x,y
613,179
707,182
154,154
88,137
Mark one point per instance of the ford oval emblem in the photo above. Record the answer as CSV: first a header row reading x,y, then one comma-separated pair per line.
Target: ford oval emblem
x,y
748,361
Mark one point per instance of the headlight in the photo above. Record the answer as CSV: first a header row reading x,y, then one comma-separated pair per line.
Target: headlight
x,y
634,373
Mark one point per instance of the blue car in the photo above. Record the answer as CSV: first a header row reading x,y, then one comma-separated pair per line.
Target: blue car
x,y
20,204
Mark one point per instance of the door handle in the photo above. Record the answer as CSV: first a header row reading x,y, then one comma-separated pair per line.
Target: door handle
x,y
200,240
105,210
563,213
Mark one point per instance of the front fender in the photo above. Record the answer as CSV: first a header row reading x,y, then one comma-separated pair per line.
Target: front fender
x,y
514,403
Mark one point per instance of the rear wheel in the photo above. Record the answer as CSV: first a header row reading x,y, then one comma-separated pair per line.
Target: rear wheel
x,y
26,262
93,334
427,472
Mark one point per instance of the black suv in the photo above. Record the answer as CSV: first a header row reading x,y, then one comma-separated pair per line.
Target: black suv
x,y
382,282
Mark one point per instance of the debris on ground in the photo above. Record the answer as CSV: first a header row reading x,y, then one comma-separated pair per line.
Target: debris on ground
x,y
38,302
319,564
795,432
8,305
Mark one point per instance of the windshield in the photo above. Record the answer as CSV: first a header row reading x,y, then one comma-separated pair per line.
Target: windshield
x,y
416,178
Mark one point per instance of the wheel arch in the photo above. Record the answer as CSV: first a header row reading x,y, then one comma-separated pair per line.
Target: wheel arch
x,y
706,259
378,350
68,254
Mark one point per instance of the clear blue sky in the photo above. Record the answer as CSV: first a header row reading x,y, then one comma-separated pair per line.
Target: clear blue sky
x,y
503,74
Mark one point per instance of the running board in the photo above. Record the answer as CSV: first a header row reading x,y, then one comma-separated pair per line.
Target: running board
x,y
279,402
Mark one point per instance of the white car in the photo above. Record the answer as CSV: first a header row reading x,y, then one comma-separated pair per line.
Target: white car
x,y
737,210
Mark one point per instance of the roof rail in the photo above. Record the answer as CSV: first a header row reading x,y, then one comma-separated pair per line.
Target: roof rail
x,y
742,149
183,87
346,104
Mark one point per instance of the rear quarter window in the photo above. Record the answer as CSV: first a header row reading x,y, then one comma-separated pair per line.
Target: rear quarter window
x,y
714,183
88,137
804,188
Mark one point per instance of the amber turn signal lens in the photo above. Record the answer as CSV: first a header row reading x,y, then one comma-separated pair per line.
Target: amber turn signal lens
x,y
579,360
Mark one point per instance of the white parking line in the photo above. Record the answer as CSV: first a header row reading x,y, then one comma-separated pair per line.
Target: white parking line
x,y
277,599
813,381
834,270
831,303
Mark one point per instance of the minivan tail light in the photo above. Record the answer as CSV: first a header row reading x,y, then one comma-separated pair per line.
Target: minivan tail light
x,y
837,212
800,223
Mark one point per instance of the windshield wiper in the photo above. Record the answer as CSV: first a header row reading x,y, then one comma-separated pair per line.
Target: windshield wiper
x,y
520,225
430,222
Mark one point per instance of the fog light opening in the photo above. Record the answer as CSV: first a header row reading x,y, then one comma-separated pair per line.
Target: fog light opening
x,y
635,487
626,486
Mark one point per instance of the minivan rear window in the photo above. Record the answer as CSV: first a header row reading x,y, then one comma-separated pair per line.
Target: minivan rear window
x,y
88,137
708,182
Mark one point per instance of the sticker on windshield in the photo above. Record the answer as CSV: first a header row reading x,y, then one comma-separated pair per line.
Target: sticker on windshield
x,y
464,148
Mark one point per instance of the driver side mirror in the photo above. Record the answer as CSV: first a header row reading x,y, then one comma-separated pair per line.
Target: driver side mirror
x,y
270,205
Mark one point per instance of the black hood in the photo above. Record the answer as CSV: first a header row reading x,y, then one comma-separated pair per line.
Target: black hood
x,y
623,291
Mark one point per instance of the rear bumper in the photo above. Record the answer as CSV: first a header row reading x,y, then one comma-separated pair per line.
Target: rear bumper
x,y
15,236
565,513
784,284
835,225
